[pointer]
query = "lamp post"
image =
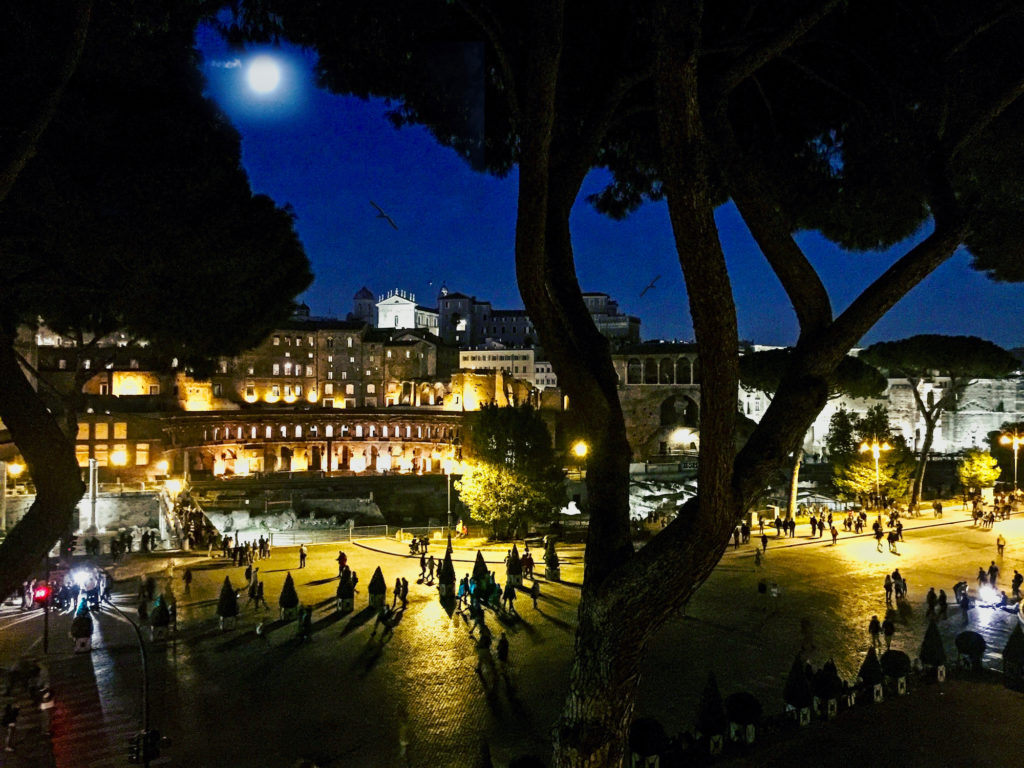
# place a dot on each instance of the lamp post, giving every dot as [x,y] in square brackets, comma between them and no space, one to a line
[876,449]
[448,465]
[1015,440]
[580,450]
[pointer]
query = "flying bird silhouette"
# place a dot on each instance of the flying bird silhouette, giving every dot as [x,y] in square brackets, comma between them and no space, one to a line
[645,290]
[382,215]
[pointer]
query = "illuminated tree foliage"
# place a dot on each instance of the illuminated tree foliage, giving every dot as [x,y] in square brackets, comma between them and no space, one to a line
[853,468]
[977,469]
[123,207]
[869,122]
[514,474]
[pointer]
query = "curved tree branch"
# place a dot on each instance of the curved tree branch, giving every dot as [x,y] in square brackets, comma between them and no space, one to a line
[750,190]
[767,50]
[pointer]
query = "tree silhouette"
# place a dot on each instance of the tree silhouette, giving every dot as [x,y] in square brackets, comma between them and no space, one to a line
[863,121]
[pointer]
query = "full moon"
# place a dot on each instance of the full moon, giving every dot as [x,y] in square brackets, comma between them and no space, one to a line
[263,74]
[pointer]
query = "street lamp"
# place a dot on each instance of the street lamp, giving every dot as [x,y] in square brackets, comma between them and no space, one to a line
[12,470]
[1016,441]
[580,450]
[876,449]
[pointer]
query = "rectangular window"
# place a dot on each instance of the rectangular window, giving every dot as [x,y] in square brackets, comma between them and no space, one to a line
[101,431]
[141,454]
[359,430]
[309,370]
[275,390]
[350,389]
[373,430]
[371,389]
[407,354]
[384,432]
[310,356]
[330,358]
[83,431]
[389,354]
[154,389]
[328,403]
[309,340]
[277,369]
[328,389]
[104,389]
[252,370]
[287,390]
[100,454]
[120,430]
[269,432]
[250,391]
[87,364]
[330,375]
[287,369]
[62,365]
[298,341]
[82,455]
[352,359]
[350,342]
[218,390]
[298,390]
[277,341]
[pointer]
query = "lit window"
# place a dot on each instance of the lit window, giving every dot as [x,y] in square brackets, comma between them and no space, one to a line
[330,374]
[298,390]
[309,370]
[383,430]
[298,341]
[373,430]
[250,391]
[82,455]
[310,355]
[100,454]
[284,431]
[62,365]
[277,341]
[344,375]
[218,390]
[141,454]
[389,354]
[101,431]
[359,430]
[87,364]
[298,430]
[309,340]
[252,370]
[350,342]
[371,389]
[352,359]
[120,430]
[277,369]
[407,354]
[287,369]
[275,390]
[83,431]
[223,366]
[328,389]
[350,389]
[287,390]
[269,432]
[330,358]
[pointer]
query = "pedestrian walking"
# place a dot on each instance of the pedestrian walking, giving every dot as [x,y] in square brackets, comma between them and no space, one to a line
[932,600]
[888,589]
[965,605]
[187,578]
[835,535]
[879,534]
[423,565]
[342,562]
[1018,579]
[764,543]
[993,573]
[875,630]
[1000,544]
[9,721]
[535,593]
[736,538]
[814,526]
[943,604]
[405,592]
[302,555]
[253,591]
[508,598]
[430,569]
[398,592]
[260,598]
[982,578]
[888,630]
[899,530]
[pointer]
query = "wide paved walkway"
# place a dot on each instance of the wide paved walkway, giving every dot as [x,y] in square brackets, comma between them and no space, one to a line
[414,698]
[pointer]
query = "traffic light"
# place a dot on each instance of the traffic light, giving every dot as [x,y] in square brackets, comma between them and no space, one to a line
[41,594]
[70,545]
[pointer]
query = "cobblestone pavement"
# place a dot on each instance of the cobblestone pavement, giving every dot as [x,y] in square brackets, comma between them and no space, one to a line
[353,697]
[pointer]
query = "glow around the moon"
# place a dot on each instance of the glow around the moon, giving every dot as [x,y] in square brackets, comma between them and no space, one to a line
[263,74]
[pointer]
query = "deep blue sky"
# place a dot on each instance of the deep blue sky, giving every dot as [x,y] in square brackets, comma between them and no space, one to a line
[328,156]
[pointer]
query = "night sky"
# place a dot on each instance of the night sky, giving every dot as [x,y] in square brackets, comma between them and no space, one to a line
[329,156]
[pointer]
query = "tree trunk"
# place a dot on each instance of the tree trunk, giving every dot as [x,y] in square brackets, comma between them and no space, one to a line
[51,461]
[922,461]
[794,481]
